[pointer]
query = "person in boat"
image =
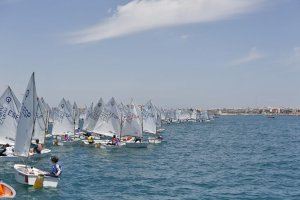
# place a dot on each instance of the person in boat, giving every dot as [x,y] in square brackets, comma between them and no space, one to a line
[87,134]
[37,147]
[66,137]
[114,140]
[3,150]
[56,169]
[137,139]
[90,140]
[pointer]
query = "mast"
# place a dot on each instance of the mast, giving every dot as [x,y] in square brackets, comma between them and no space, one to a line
[121,126]
[142,121]
[34,117]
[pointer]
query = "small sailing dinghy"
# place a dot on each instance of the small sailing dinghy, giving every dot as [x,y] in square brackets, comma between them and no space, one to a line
[40,129]
[64,126]
[6,191]
[109,123]
[9,116]
[25,174]
[132,127]
[151,122]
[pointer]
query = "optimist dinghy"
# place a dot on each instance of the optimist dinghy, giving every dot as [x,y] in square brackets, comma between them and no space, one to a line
[132,127]
[151,122]
[25,130]
[28,175]
[6,191]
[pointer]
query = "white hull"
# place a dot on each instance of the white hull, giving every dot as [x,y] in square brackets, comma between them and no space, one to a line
[154,140]
[8,191]
[44,153]
[27,176]
[95,142]
[160,130]
[121,144]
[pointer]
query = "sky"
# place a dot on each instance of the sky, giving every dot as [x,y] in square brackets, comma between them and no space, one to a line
[178,53]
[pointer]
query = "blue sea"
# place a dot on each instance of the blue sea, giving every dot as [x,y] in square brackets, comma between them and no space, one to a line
[232,157]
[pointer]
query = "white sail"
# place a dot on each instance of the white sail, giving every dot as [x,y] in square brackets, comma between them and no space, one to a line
[158,117]
[40,123]
[204,115]
[193,114]
[132,124]
[88,116]
[76,114]
[149,118]
[109,120]
[63,120]
[25,126]
[9,115]
[95,115]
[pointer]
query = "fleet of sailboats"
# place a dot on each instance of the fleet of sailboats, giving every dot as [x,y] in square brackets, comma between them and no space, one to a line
[114,124]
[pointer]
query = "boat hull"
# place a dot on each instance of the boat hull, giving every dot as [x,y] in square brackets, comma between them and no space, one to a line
[154,140]
[44,153]
[6,191]
[27,175]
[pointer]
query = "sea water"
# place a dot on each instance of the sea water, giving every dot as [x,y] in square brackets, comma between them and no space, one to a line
[232,157]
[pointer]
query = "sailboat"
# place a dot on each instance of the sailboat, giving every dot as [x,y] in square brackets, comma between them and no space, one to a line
[94,119]
[40,128]
[132,127]
[109,123]
[149,117]
[88,114]
[95,115]
[193,115]
[159,128]
[6,191]
[76,115]
[63,125]
[9,115]
[23,173]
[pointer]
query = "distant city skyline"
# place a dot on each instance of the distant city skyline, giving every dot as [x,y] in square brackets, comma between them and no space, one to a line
[179,53]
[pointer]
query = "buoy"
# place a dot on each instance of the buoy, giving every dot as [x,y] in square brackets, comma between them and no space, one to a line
[38,184]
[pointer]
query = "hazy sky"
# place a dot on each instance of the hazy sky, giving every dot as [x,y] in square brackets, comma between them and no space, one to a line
[179,53]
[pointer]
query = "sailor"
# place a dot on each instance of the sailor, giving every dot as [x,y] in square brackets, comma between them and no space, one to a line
[138,139]
[56,169]
[37,147]
[114,141]
[3,150]
[90,140]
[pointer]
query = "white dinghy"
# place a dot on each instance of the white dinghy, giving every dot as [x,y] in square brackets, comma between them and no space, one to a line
[109,123]
[88,115]
[132,127]
[150,122]
[63,125]
[9,116]
[28,175]
[25,174]
[40,129]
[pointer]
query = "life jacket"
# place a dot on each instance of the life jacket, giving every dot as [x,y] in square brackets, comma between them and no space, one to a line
[90,139]
[56,168]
